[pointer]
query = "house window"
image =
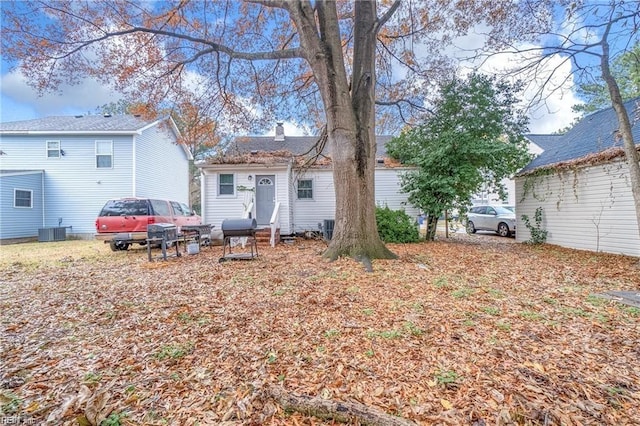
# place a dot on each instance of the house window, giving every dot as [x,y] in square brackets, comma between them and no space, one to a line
[22,198]
[225,184]
[53,149]
[305,189]
[104,154]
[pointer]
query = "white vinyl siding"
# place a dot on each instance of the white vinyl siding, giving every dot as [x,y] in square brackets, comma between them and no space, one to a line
[216,208]
[21,222]
[309,215]
[22,198]
[161,166]
[53,149]
[104,154]
[590,208]
[296,215]
[389,192]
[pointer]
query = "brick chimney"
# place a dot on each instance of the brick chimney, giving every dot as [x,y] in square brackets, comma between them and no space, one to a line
[279,132]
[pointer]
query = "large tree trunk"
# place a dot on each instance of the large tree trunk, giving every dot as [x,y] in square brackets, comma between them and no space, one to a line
[350,122]
[633,159]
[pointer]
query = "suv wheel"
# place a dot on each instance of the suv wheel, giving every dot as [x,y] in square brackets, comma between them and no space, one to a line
[503,229]
[118,245]
[471,229]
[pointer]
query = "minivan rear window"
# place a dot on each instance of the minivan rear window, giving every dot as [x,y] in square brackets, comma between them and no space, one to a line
[126,208]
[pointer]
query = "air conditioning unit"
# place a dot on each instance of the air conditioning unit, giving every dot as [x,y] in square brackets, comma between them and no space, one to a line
[327,229]
[52,234]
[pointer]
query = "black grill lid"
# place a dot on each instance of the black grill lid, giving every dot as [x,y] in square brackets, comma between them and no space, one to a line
[239,227]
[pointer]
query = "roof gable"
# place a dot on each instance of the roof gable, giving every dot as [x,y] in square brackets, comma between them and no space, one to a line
[594,134]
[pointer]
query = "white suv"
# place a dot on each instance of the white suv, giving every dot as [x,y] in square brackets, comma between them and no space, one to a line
[491,218]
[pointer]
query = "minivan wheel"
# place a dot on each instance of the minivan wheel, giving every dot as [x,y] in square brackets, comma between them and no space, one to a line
[503,229]
[118,245]
[471,229]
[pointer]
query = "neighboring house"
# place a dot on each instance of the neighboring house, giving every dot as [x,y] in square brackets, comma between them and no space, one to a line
[59,171]
[537,144]
[266,177]
[581,181]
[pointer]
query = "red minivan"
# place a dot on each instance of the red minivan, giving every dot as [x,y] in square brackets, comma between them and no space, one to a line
[124,221]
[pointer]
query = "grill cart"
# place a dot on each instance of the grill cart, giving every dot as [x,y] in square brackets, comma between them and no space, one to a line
[239,228]
[165,234]
[195,236]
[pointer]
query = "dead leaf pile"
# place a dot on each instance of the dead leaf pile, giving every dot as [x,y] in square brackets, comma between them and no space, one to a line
[465,331]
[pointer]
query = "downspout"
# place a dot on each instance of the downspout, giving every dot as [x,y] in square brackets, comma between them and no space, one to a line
[290,196]
[133,167]
[43,209]
[203,199]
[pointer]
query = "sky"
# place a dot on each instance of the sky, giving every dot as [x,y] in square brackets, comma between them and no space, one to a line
[18,101]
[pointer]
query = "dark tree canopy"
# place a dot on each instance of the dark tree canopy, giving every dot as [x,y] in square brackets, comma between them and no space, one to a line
[474,138]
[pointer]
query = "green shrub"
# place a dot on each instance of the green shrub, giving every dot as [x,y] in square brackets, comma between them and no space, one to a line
[396,226]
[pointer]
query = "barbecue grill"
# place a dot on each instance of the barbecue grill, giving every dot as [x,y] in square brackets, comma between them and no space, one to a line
[165,234]
[239,228]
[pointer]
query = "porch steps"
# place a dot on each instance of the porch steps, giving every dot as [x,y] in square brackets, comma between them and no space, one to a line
[263,236]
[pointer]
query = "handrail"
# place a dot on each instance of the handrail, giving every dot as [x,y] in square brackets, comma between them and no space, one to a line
[247,211]
[275,219]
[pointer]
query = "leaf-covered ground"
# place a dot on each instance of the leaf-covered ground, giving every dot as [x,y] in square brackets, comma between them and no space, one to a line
[473,330]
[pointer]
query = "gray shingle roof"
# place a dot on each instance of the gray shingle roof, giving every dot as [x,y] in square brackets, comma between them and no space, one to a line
[595,133]
[71,124]
[297,145]
[545,141]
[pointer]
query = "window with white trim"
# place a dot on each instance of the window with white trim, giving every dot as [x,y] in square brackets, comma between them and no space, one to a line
[305,189]
[104,154]
[226,184]
[22,198]
[53,149]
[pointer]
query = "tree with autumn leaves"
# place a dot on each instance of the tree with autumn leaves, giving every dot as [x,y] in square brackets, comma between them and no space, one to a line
[341,64]
[337,58]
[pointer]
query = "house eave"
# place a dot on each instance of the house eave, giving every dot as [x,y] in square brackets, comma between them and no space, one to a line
[70,132]
[602,157]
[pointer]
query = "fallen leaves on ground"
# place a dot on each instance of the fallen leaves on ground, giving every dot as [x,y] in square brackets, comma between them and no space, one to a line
[474,330]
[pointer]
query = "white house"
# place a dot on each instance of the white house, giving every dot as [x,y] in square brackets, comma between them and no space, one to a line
[267,178]
[581,182]
[59,171]
[536,145]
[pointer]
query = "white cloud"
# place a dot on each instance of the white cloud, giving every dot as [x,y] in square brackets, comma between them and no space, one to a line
[81,98]
[549,87]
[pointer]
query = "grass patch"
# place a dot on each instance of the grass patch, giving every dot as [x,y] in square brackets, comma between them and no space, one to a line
[503,325]
[331,333]
[175,351]
[412,329]
[441,282]
[462,293]
[632,311]
[491,310]
[447,377]
[530,315]
[385,334]
[498,294]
